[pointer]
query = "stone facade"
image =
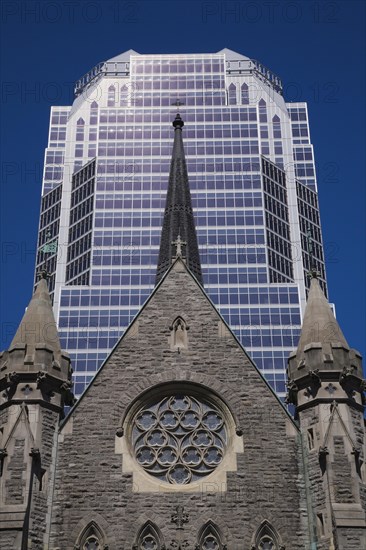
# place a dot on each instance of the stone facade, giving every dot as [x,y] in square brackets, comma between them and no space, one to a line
[213,362]
[80,485]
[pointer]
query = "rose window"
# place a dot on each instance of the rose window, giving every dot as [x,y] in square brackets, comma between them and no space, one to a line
[179,439]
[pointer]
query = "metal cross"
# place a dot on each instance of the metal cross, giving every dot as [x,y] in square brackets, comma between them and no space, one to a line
[313,273]
[178,243]
[178,103]
[309,239]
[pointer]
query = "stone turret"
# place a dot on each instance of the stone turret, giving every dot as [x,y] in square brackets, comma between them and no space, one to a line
[34,368]
[326,385]
[324,367]
[35,383]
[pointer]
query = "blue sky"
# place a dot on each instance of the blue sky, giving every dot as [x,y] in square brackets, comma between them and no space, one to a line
[316,47]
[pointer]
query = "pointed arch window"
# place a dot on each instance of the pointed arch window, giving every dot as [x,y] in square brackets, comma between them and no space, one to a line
[93,113]
[262,106]
[232,94]
[124,95]
[179,338]
[149,538]
[111,96]
[80,129]
[244,94]
[276,127]
[267,538]
[210,538]
[91,538]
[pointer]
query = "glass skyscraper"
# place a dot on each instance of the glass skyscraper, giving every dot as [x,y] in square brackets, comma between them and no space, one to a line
[253,186]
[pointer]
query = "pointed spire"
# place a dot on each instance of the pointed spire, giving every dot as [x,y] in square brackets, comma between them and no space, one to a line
[34,367]
[319,323]
[38,324]
[178,236]
[322,355]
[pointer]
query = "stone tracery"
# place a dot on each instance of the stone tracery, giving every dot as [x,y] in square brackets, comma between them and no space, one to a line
[179,438]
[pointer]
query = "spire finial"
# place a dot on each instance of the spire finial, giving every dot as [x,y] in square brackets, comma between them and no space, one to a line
[178,122]
[43,273]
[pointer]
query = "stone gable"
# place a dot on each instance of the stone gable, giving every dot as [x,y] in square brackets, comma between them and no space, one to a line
[99,480]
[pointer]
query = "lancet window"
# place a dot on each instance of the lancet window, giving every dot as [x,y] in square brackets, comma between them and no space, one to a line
[232,94]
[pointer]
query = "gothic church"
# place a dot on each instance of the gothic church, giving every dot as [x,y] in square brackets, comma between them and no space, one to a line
[179,442]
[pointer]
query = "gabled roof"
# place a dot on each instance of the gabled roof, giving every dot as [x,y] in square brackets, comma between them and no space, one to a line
[178,265]
[233,56]
[124,56]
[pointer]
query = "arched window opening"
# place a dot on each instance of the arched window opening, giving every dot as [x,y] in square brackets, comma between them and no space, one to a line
[93,113]
[80,129]
[232,94]
[149,538]
[179,337]
[244,94]
[267,538]
[276,127]
[262,106]
[111,96]
[124,95]
[210,538]
[91,538]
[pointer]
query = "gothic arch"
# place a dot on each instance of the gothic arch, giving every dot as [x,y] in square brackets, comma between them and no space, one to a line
[267,538]
[93,116]
[232,94]
[276,127]
[91,538]
[149,537]
[91,525]
[244,94]
[179,337]
[262,107]
[111,95]
[209,537]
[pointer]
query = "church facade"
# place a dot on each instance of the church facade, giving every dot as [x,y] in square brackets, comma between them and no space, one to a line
[179,442]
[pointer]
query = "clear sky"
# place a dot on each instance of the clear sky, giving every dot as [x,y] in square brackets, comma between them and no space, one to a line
[316,47]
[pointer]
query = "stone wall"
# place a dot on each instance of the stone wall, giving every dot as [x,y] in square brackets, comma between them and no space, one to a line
[93,482]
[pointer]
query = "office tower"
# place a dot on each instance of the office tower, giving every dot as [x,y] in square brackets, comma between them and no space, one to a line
[169,450]
[253,186]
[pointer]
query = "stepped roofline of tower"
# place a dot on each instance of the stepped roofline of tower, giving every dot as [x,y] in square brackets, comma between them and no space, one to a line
[177,264]
[236,63]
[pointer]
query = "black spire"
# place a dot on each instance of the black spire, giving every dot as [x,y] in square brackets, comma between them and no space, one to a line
[178,235]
